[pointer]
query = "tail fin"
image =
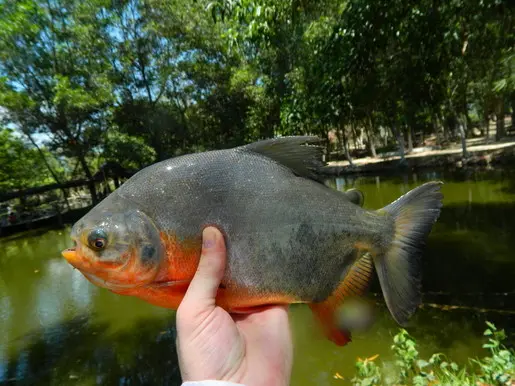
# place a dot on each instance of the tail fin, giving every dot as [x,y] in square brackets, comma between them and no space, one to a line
[399,268]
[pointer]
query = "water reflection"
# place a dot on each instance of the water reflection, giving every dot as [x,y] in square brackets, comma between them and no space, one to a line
[58,329]
[79,351]
[81,291]
[469,256]
[88,352]
[5,315]
[49,306]
[5,303]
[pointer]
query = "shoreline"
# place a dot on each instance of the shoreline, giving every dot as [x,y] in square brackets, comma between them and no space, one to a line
[483,155]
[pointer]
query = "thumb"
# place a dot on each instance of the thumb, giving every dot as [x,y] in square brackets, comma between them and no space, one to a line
[203,288]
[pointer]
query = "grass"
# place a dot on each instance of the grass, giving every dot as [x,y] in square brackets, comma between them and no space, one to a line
[497,368]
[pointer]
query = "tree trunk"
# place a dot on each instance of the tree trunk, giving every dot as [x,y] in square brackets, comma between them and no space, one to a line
[54,175]
[436,128]
[446,129]
[400,141]
[327,155]
[343,141]
[462,127]
[410,140]
[499,121]
[354,135]
[386,137]
[339,140]
[486,127]
[370,137]
[91,183]
[468,122]
[346,149]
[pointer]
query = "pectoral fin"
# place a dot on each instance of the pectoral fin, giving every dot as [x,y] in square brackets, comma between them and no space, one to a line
[355,196]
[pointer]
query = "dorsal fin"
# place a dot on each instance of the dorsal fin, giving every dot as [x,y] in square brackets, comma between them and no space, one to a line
[355,196]
[301,154]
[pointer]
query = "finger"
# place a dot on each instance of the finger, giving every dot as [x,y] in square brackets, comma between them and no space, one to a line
[203,288]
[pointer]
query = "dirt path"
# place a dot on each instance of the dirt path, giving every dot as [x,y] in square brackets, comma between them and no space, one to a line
[473,145]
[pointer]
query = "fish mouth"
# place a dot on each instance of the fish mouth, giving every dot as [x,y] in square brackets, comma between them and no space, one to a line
[70,255]
[74,259]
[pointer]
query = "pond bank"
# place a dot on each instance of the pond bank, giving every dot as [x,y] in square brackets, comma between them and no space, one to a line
[53,221]
[480,155]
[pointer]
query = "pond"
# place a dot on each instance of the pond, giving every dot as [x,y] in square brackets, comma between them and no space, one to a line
[58,329]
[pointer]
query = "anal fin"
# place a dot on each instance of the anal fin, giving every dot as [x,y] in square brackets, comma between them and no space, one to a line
[355,284]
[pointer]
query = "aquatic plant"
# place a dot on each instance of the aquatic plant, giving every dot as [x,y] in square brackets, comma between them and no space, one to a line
[498,368]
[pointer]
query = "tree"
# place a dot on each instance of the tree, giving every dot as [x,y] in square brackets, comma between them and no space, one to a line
[142,80]
[56,79]
[129,152]
[20,164]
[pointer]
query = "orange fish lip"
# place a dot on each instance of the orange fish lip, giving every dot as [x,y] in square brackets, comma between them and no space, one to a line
[74,259]
[70,255]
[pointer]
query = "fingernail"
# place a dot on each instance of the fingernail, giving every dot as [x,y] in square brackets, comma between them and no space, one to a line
[208,238]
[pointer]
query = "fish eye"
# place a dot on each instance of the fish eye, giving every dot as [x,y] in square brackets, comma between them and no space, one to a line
[97,239]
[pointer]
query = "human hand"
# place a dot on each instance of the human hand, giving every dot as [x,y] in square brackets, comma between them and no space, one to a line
[250,349]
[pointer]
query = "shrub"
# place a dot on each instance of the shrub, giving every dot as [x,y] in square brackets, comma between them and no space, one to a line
[496,369]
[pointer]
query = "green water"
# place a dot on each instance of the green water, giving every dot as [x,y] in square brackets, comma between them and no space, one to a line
[58,329]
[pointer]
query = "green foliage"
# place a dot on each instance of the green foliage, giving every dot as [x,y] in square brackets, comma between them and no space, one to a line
[20,164]
[500,367]
[186,76]
[407,354]
[496,369]
[367,373]
[55,75]
[130,152]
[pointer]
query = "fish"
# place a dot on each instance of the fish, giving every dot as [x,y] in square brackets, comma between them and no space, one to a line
[290,238]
